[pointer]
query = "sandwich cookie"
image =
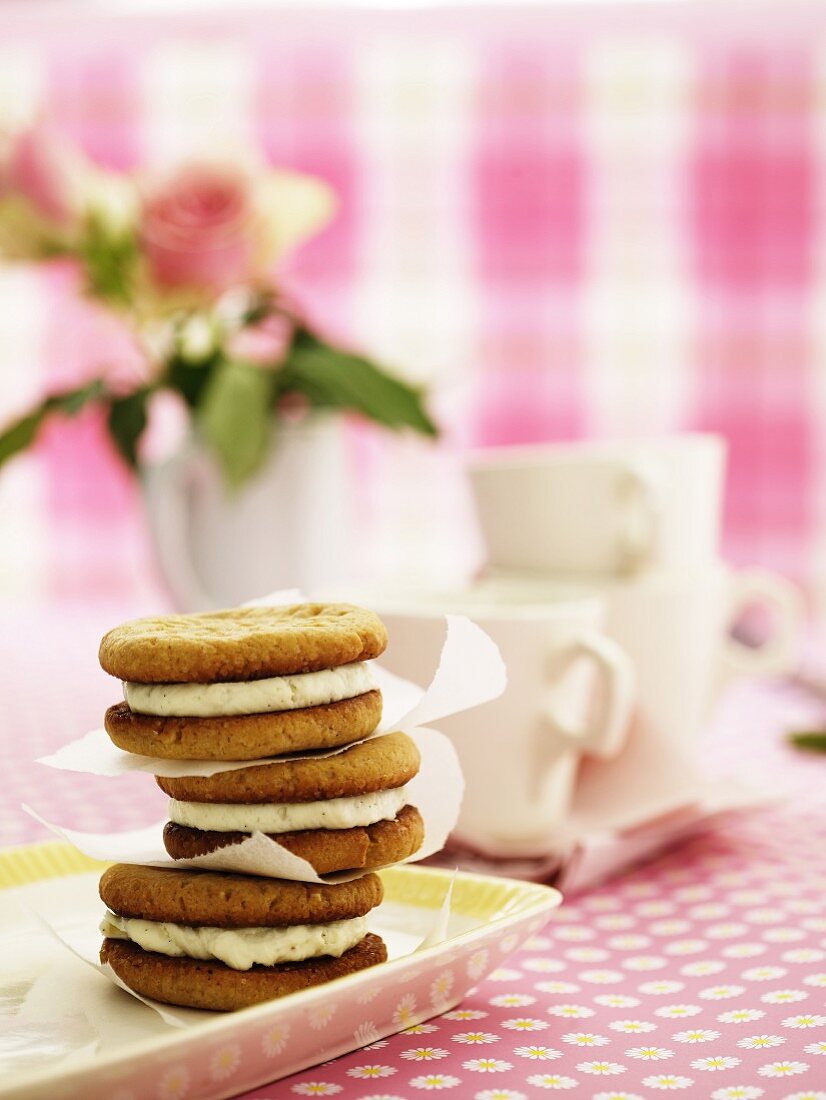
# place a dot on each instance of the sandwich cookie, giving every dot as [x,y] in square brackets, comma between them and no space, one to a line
[246,683]
[222,941]
[349,811]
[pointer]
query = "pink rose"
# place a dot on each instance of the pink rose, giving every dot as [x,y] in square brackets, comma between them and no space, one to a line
[198,229]
[45,170]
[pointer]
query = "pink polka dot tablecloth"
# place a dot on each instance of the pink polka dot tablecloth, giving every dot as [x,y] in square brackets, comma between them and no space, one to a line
[701,974]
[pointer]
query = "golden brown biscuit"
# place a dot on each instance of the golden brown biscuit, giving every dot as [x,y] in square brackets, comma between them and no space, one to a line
[380,764]
[245,736]
[361,849]
[213,985]
[232,901]
[245,643]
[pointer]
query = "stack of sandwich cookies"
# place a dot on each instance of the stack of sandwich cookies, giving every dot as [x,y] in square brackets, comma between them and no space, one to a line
[248,685]
[222,941]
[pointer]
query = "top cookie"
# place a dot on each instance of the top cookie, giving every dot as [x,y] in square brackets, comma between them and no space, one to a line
[246,643]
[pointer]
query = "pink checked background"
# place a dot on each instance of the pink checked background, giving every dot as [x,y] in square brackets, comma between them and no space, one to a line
[569,223]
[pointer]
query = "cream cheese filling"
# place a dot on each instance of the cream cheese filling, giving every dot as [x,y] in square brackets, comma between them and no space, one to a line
[239,948]
[289,817]
[305,689]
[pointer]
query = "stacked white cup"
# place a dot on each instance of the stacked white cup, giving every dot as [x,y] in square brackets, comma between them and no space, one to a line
[605,590]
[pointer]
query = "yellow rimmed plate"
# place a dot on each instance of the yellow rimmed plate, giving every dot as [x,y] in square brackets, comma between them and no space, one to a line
[65,1030]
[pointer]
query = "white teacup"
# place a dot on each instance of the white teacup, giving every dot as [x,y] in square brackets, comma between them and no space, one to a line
[675,625]
[596,509]
[570,691]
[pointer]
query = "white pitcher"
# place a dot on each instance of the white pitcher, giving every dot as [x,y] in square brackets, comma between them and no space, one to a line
[287,527]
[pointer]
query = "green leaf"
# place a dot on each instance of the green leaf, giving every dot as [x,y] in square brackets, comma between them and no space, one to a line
[332,378]
[811,740]
[235,418]
[109,261]
[127,420]
[22,432]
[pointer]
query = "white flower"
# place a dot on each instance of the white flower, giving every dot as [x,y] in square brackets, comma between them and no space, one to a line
[528,1023]
[541,965]
[644,962]
[585,1039]
[661,987]
[737,1092]
[512,1000]
[424,1054]
[616,1000]
[477,963]
[420,1029]
[804,1021]
[552,1081]
[569,1012]
[224,1062]
[650,1054]
[726,931]
[405,1011]
[601,977]
[321,1015]
[465,1014]
[815,979]
[602,1069]
[677,1012]
[763,973]
[440,988]
[816,1048]
[616,1096]
[434,1081]
[671,927]
[615,922]
[366,1033]
[715,1062]
[557,987]
[315,1088]
[702,968]
[697,1035]
[538,1054]
[505,974]
[487,1065]
[783,935]
[721,992]
[784,997]
[667,1081]
[275,1039]
[760,1042]
[685,947]
[809,1094]
[499,1094]
[574,932]
[174,1083]
[632,1027]
[744,950]
[629,942]
[369,1073]
[741,1015]
[803,955]
[783,1069]
[475,1038]
[586,954]
[509,943]
[538,943]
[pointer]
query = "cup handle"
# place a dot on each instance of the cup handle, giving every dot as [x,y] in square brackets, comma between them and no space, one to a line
[641,514]
[604,734]
[169,488]
[779,654]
